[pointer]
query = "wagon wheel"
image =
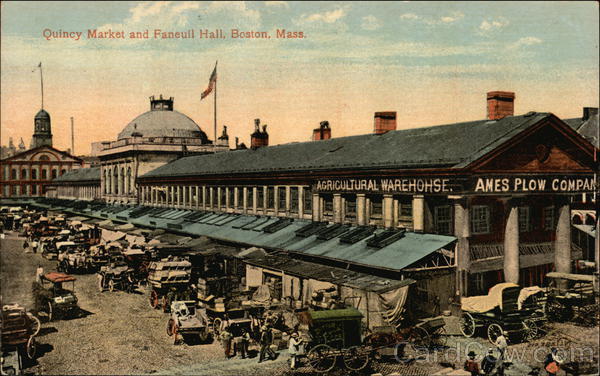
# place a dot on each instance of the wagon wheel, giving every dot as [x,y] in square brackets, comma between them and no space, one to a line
[531,329]
[356,358]
[50,311]
[321,358]
[467,324]
[419,338]
[100,283]
[439,338]
[217,326]
[203,336]
[493,332]
[31,348]
[165,304]
[170,327]
[154,299]
[36,325]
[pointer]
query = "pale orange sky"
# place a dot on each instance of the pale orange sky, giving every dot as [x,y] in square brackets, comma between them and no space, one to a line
[357,59]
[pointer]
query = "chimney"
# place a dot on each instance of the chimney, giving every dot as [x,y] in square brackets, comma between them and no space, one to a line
[259,138]
[589,112]
[385,122]
[500,104]
[323,132]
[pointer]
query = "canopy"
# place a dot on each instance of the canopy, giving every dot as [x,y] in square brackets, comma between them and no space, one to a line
[485,303]
[59,277]
[571,277]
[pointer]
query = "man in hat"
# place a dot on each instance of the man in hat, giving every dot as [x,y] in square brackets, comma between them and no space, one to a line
[266,338]
[489,362]
[501,344]
[471,364]
[226,338]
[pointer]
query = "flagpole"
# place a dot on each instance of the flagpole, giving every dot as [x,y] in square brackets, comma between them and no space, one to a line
[215,111]
[42,85]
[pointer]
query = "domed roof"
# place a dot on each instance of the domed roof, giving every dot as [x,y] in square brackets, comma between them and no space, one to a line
[162,124]
[42,114]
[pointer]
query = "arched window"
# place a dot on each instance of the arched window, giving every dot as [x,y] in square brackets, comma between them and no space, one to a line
[44,158]
[122,186]
[115,179]
[44,174]
[13,174]
[23,173]
[62,172]
[34,174]
[34,189]
[54,173]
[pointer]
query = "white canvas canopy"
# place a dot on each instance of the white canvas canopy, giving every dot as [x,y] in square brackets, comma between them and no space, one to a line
[485,303]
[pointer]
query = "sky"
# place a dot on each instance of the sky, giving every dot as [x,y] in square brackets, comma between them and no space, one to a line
[432,62]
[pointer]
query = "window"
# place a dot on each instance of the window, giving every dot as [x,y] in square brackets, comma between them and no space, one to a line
[270,197]
[375,210]
[23,174]
[62,172]
[480,219]
[443,219]
[222,197]
[405,206]
[34,174]
[350,207]
[240,201]
[549,218]
[294,199]
[44,174]
[250,198]
[54,173]
[231,195]
[327,200]
[260,195]
[281,198]
[524,219]
[307,200]
[13,174]
[14,190]
[34,189]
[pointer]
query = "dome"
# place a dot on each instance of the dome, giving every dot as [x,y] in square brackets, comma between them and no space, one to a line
[42,114]
[163,124]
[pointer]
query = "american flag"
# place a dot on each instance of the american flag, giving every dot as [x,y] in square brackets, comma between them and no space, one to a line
[211,84]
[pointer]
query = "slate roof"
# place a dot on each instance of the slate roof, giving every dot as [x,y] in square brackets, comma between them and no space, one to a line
[588,128]
[451,146]
[79,175]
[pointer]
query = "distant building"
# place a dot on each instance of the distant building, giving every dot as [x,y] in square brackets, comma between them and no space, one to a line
[152,139]
[27,173]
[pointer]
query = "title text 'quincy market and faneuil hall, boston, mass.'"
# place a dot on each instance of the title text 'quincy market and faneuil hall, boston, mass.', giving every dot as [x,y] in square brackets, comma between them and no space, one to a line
[456,208]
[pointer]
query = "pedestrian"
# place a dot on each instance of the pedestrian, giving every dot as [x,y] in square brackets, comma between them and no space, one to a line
[552,362]
[39,273]
[501,344]
[489,362]
[266,338]
[226,337]
[25,246]
[242,343]
[471,364]
[34,245]
[295,348]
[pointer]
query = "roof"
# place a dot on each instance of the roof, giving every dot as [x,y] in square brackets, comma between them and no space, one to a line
[59,277]
[162,124]
[437,146]
[42,114]
[586,126]
[335,314]
[326,273]
[248,230]
[80,175]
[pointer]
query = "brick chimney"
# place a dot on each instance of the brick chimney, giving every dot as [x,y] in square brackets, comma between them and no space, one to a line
[259,138]
[500,104]
[323,132]
[385,122]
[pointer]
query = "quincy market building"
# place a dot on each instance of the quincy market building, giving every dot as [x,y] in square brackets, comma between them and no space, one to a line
[456,207]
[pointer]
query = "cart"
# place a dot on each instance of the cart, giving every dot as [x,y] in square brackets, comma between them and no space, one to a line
[499,312]
[335,335]
[19,329]
[188,321]
[116,275]
[52,299]
[169,280]
[572,297]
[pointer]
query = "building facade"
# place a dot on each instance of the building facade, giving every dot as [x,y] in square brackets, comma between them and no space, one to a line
[502,186]
[152,139]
